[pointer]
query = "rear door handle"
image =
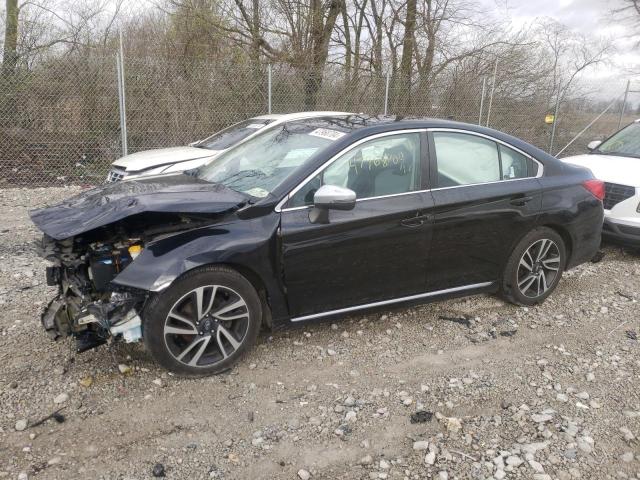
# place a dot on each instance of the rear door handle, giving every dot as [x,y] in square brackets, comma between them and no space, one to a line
[417,221]
[520,201]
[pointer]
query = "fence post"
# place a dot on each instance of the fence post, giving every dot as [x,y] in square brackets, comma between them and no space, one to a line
[484,88]
[555,121]
[269,86]
[493,89]
[386,94]
[587,127]
[624,103]
[121,97]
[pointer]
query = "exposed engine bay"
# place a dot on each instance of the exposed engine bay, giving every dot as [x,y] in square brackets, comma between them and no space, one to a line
[88,305]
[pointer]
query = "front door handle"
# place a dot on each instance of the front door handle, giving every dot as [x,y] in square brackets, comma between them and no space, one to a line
[417,221]
[520,201]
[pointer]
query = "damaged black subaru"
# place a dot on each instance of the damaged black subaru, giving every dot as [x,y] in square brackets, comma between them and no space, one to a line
[312,219]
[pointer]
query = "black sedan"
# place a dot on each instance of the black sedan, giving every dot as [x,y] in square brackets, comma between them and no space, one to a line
[317,218]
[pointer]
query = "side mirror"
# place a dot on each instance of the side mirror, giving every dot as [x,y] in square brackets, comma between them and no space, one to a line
[330,197]
[593,145]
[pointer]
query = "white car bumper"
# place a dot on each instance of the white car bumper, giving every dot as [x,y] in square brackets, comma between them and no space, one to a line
[118,173]
[621,216]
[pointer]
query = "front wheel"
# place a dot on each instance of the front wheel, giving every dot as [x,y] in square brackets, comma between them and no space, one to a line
[203,323]
[534,268]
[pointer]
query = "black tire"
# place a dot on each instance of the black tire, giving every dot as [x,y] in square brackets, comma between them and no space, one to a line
[213,289]
[516,275]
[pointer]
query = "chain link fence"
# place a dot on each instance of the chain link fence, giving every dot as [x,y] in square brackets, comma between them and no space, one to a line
[60,121]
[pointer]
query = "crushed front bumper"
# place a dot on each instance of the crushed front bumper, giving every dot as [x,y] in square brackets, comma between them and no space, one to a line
[622,214]
[92,323]
[55,318]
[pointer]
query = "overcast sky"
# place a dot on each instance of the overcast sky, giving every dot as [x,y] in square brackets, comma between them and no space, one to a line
[592,17]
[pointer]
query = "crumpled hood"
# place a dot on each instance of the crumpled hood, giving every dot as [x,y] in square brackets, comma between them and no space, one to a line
[138,161]
[114,201]
[609,168]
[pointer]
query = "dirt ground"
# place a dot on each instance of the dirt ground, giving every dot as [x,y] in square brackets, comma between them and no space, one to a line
[542,393]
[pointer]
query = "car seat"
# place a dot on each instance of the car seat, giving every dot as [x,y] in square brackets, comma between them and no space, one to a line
[398,176]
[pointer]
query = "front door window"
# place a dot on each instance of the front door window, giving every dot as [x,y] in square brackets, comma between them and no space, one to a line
[382,166]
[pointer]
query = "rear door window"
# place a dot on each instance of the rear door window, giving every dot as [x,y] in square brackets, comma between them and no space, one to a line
[465,159]
[514,164]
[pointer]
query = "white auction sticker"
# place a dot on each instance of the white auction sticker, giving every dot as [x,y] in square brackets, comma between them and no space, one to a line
[255,125]
[326,133]
[257,192]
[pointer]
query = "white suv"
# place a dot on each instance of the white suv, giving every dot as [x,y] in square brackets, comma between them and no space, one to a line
[179,159]
[616,161]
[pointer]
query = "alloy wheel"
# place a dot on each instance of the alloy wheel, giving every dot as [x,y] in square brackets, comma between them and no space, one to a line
[538,268]
[206,325]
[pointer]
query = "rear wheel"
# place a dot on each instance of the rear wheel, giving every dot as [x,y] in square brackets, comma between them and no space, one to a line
[534,267]
[204,323]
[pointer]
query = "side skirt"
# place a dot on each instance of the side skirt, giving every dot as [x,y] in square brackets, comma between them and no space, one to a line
[412,298]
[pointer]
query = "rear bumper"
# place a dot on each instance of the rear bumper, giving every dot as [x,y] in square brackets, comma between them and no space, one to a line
[586,234]
[621,233]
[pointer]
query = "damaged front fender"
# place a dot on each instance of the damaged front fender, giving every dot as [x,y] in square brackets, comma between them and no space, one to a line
[246,245]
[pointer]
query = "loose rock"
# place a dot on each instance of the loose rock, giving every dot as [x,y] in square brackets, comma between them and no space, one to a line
[303,474]
[158,470]
[21,425]
[63,397]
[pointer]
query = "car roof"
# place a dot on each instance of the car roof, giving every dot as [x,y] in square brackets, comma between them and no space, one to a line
[357,126]
[352,123]
[349,123]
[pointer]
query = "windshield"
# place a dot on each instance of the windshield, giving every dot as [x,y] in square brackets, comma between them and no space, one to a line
[257,166]
[625,143]
[233,134]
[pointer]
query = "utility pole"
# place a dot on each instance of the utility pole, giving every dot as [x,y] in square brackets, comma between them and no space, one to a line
[121,96]
[484,88]
[493,88]
[624,104]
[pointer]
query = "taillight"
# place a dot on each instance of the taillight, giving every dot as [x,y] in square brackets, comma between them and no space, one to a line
[596,187]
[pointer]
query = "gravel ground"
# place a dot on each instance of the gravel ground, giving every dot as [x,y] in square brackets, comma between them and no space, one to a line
[505,392]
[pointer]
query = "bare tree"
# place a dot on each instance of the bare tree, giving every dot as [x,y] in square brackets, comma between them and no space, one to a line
[10,52]
[629,13]
[36,26]
[350,36]
[297,32]
[376,32]
[569,55]
[408,51]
